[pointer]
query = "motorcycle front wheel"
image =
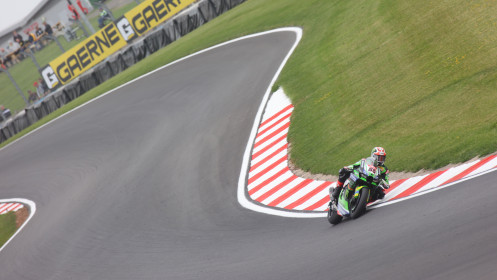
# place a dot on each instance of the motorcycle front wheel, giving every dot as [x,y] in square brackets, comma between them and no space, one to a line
[333,216]
[360,207]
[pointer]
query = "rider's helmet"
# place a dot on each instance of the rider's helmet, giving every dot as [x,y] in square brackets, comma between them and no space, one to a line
[379,155]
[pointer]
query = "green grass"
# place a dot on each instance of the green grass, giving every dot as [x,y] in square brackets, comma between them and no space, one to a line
[417,78]
[7,226]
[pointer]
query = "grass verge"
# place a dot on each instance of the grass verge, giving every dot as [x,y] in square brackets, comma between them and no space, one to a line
[7,226]
[416,78]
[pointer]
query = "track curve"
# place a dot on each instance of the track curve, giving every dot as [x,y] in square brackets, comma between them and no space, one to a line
[142,184]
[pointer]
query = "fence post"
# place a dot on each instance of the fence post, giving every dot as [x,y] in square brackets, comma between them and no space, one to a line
[30,54]
[83,16]
[83,28]
[15,84]
[56,41]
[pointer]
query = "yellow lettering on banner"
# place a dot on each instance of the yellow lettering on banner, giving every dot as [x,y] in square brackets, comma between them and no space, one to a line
[110,39]
[88,53]
[151,13]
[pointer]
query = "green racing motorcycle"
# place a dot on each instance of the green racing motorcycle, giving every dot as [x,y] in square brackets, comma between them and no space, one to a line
[362,187]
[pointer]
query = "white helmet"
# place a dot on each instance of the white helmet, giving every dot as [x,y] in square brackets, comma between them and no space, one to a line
[379,155]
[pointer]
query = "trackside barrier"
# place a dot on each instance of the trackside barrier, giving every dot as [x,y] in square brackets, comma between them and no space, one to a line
[168,32]
[111,38]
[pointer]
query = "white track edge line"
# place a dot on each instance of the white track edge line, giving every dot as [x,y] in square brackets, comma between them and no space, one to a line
[32,211]
[242,199]
[241,183]
[381,204]
[245,202]
[165,66]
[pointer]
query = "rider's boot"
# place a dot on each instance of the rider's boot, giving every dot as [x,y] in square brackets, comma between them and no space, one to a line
[343,174]
[335,192]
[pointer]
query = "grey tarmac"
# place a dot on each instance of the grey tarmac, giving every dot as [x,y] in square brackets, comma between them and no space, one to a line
[141,184]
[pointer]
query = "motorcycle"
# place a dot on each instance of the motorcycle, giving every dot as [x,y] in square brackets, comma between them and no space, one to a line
[362,187]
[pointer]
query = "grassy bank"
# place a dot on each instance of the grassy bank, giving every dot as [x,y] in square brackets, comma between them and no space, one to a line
[7,226]
[416,78]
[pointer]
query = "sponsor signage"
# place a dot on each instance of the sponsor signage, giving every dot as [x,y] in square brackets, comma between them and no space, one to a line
[83,56]
[151,13]
[110,39]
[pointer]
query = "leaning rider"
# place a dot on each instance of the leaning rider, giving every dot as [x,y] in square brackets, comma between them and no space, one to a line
[378,156]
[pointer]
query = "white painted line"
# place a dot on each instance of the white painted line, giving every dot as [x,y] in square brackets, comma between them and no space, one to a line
[282,99]
[323,208]
[32,211]
[241,194]
[274,109]
[431,190]
[297,30]
[278,102]
[447,175]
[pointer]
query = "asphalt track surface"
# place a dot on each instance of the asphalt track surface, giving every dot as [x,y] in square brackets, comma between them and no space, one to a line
[141,184]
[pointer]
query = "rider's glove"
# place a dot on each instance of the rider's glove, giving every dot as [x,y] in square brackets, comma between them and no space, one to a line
[385,185]
[381,194]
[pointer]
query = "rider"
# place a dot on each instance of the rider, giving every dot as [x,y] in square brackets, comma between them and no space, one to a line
[378,156]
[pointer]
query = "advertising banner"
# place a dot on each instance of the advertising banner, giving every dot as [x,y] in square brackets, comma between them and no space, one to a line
[110,39]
